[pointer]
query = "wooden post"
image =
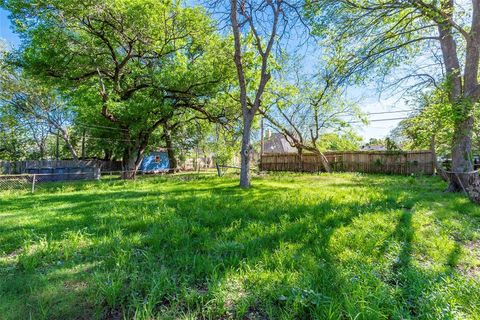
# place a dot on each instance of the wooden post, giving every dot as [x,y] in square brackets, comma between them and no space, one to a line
[96,173]
[83,145]
[33,184]
[58,146]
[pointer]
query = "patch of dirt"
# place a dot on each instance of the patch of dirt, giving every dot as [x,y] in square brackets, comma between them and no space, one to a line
[255,314]
[75,285]
[12,255]
[236,292]
[114,314]
[473,248]
[202,289]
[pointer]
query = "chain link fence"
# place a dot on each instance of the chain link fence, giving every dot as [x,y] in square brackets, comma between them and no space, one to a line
[34,182]
[16,182]
[53,182]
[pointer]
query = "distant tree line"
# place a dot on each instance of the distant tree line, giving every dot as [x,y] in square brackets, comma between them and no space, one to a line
[133,75]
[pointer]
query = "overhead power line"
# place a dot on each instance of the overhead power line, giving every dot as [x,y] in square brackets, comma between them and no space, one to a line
[125,140]
[98,126]
[379,120]
[105,128]
[371,120]
[395,111]
[107,139]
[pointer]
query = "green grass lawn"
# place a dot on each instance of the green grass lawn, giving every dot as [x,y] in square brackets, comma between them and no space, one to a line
[341,246]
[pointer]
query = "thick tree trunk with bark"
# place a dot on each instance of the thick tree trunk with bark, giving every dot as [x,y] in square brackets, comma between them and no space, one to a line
[107,154]
[300,159]
[251,106]
[42,151]
[464,93]
[172,159]
[248,112]
[245,152]
[438,167]
[170,149]
[132,158]
[461,154]
[459,91]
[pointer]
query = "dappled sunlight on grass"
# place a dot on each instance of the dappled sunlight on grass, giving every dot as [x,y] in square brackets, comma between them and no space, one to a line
[324,246]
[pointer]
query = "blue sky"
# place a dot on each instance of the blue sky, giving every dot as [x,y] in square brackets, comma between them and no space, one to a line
[5,29]
[370,100]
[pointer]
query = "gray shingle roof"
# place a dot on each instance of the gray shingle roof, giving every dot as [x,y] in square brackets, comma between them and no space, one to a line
[277,144]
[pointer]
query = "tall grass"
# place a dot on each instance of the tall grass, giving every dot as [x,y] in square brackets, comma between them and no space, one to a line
[342,246]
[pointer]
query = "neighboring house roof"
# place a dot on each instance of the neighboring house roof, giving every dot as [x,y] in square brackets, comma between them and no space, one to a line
[277,144]
[373,148]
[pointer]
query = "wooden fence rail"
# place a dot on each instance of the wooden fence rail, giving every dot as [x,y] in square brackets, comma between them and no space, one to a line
[388,162]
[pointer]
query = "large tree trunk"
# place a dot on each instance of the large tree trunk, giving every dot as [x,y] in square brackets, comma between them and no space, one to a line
[245,153]
[170,150]
[248,113]
[463,93]
[249,109]
[300,159]
[42,151]
[474,189]
[132,158]
[107,154]
[438,167]
[462,138]
[172,159]
[452,68]
[461,155]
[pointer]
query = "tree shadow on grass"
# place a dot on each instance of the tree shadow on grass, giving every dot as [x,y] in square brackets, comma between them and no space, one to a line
[195,242]
[417,284]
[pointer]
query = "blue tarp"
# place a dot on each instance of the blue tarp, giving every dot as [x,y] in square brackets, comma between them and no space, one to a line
[156,161]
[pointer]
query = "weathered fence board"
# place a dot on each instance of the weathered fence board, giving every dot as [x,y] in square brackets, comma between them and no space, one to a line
[389,162]
[20,167]
[65,174]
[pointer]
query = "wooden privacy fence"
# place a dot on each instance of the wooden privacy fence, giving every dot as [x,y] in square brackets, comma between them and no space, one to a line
[21,167]
[389,162]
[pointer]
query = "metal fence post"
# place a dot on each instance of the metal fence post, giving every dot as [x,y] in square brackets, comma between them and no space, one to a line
[33,184]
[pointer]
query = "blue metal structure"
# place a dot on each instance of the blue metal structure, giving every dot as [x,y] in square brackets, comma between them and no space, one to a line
[155,161]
